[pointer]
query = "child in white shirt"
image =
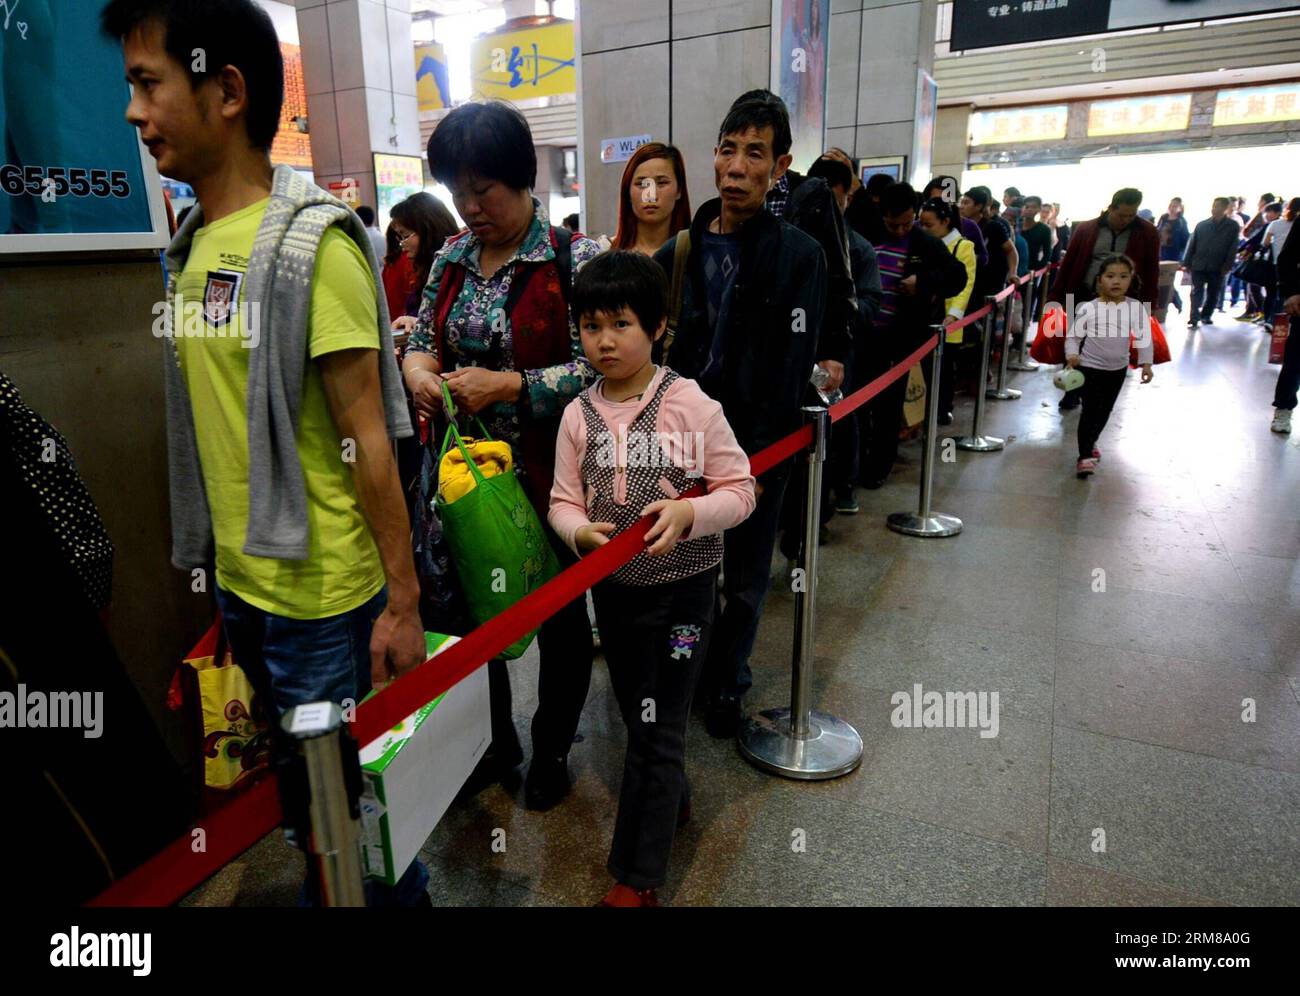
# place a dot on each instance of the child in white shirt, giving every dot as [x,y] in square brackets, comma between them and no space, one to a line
[1097,341]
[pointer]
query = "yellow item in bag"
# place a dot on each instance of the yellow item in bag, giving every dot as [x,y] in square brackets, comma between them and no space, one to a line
[454,477]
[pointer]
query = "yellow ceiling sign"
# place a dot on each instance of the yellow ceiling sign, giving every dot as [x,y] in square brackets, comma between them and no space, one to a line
[1021,124]
[1139,115]
[533,62]
[1257,105]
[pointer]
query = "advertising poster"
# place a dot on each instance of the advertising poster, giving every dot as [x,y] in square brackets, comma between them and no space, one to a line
[432,82]
[800,44]
[532,62]
[396,178]
[73,174]
[927,109]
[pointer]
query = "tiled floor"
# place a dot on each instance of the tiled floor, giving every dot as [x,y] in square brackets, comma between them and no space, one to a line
[1148,750]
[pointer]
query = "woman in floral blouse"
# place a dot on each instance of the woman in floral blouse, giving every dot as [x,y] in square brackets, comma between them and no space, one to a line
[495,323]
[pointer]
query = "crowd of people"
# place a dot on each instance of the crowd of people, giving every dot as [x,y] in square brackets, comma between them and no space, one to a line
[714,325]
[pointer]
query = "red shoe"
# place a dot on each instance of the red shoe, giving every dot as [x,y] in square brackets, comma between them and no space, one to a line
[1085,468]
[1096,453]
[625,895]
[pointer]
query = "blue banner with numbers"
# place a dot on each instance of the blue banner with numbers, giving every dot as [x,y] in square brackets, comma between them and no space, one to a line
[70,163]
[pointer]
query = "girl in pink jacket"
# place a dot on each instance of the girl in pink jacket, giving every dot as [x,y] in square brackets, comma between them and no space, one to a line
[629,446]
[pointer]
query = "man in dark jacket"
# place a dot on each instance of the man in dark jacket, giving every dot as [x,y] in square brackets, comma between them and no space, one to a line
[807,203]
[752,304]
[842,458]
[1118,229]
[917,273]
[1209,256]
[1288,293]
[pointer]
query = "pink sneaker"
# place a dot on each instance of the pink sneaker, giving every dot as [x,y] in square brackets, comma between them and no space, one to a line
[1085,468]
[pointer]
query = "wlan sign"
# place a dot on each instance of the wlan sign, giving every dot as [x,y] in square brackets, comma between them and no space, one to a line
[619,150]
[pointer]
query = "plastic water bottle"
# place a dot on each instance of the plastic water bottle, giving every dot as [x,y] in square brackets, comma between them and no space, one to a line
[819,379]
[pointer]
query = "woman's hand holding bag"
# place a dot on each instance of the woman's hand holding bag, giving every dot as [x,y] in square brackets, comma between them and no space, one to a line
[497,542]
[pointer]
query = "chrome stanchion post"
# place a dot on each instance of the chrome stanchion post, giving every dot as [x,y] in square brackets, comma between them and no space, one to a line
[800,742]
[976,442]
[1002,392]
[924,522]
[332,781]
[1032,307]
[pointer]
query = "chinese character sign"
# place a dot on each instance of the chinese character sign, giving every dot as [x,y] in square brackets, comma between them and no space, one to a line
[1257,105]
[1137,115]
[396,178]
[1039,124]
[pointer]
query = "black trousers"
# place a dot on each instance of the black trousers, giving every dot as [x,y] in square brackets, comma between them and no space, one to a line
[563,680]
[1288,378]
[654,639]
[947,376]
[746,576]
[1207,287]
[880,419]
[1099,391]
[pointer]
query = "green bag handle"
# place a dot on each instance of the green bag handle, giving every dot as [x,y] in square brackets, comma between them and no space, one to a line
[454,433]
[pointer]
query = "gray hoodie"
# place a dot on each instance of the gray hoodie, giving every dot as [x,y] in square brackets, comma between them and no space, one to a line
[279,272]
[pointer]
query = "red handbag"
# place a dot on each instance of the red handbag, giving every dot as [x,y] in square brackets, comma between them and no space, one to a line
[1049,345]
[1159,346]
[1277,344]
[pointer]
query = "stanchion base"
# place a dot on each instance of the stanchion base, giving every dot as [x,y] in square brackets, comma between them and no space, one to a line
[1028,366]
[1006,394]
[980,444]
[935,524]
[833,747]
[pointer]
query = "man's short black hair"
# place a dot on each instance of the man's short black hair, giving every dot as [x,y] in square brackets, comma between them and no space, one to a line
[618,279]
[896,199]
[235,33]
[980,195]
[1127,195]
[834,172]
[759,109]
[367,215]
[571,222]
[856,165]
[877,183]
[1031,197]
[489,140]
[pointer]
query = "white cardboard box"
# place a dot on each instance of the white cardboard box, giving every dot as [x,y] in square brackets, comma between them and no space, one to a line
[412,773]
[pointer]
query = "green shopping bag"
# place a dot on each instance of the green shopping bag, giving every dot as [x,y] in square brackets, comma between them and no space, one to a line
[497,542]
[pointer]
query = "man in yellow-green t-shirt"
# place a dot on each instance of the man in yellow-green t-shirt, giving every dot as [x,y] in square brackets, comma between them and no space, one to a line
[284,392]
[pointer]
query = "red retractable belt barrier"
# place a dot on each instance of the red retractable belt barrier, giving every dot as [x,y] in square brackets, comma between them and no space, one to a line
[179,868]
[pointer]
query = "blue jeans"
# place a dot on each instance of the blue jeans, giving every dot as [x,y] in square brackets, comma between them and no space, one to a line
[293,661]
